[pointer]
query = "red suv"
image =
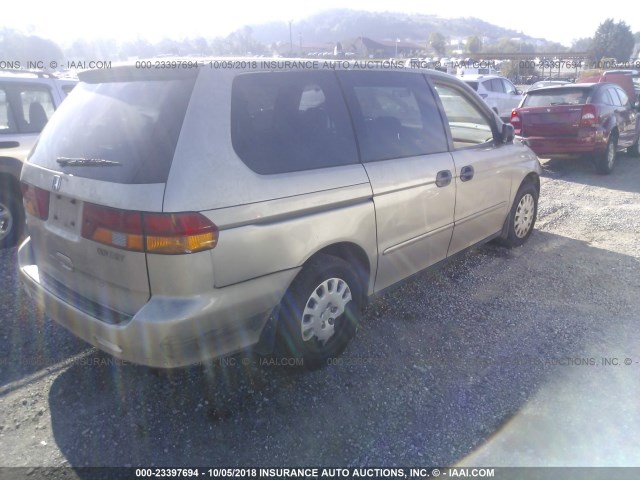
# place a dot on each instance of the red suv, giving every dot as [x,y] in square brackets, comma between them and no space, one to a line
[596,119]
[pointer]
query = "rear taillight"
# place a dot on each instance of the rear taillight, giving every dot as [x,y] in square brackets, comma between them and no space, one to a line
[589,116]
[117,228]
[35,200]
[166,233]
[173,233]
[516,122]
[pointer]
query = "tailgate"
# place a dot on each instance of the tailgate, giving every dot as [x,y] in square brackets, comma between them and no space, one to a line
[552,121]
[104,158]
[80,270]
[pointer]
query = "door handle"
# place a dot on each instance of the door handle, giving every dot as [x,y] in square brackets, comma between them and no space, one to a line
[466,173]
[443,178]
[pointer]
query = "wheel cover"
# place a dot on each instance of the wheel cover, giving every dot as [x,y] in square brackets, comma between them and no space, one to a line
[6,221]
[524,215]
[324,307]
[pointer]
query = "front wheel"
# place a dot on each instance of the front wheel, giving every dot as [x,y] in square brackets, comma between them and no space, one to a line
[320,312]
[522,217]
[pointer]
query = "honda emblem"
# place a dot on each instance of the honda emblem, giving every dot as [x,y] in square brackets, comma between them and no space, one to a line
[57,182]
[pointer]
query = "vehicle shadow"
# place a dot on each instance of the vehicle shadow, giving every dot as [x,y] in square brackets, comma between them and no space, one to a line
[625,176]
[31,345]
[439,365]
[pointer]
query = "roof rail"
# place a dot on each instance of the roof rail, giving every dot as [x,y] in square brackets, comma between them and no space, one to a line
[38,73]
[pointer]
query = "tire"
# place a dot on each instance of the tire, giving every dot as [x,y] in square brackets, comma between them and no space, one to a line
[606,161]
[319,314]
[522,217]
[634,150]
[11,218]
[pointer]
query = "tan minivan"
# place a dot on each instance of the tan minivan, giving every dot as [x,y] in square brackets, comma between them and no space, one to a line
[180,215]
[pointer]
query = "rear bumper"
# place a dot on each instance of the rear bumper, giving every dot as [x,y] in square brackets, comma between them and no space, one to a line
[169,331]
[591,141]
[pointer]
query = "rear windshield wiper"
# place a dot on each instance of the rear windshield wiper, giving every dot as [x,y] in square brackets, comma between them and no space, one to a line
[86,162]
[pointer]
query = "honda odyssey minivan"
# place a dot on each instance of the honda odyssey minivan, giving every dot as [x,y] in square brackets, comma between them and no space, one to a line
[181,215]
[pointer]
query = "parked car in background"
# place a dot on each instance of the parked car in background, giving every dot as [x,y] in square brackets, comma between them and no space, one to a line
[498,92]
[180,215]
[471,70]
[594,119]
[635,78]
[624,81]
[547,83]
[27,101]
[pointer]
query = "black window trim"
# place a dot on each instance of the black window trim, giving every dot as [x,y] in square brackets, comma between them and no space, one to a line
[340,91]
[12,91]
[441,116]
[483,108]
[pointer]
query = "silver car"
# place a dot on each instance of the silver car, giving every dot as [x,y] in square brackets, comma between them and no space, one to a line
[180,215]
[27,100]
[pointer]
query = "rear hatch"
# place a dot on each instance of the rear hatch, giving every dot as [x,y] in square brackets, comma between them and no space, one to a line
[552,112]
[101,161]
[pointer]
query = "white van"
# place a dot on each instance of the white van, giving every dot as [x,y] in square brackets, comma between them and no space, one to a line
[462,71]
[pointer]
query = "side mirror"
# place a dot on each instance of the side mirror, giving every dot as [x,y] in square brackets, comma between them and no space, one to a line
[508,133]
[517,92]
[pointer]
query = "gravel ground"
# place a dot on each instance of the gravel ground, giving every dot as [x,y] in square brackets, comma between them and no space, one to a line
[497,358]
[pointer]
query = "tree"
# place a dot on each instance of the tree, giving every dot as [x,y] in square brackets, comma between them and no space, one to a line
[612,40]
[581,45]
[474,44]
[23,48]
[438,43]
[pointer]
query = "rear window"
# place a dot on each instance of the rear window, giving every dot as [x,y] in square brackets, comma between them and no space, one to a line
[133,125]
[473,85]
[555,97]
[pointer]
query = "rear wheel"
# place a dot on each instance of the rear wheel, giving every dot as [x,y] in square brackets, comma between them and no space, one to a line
[11,218]
[522,217]
[320,312]
[605,162]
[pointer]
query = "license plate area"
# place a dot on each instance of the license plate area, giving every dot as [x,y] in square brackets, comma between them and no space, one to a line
[64,214]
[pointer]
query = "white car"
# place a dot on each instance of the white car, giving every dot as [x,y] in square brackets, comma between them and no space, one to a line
[498,92]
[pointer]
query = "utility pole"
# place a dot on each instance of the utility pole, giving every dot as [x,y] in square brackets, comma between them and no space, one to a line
[290,39]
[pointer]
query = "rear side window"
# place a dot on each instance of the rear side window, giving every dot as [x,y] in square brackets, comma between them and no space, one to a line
[554,97]
[614,97]
[395,114]
[496,85]
[37,107]
[25,108]
[624,99]
[290,121]
[134,125]
[603,97]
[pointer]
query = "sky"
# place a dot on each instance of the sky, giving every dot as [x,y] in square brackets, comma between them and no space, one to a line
[560,21]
